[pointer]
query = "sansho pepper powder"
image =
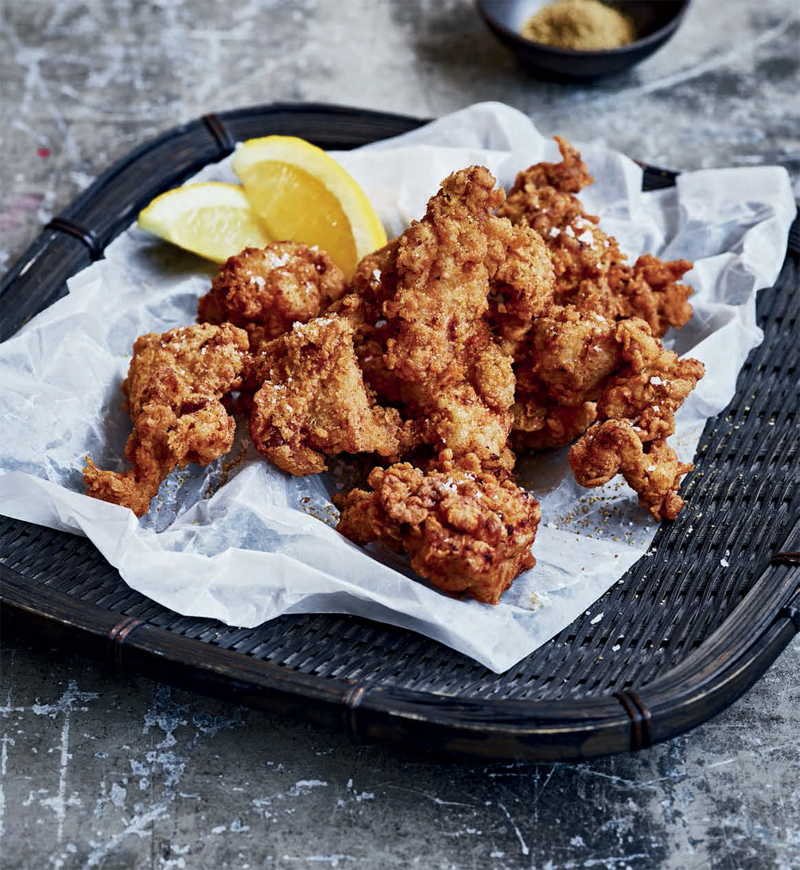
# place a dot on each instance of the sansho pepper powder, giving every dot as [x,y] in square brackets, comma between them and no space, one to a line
[584,25]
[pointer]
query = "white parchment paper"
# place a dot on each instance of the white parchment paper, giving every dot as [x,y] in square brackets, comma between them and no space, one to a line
[262,544]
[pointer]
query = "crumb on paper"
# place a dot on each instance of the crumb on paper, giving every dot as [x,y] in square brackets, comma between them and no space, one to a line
[326,513]
[228,465]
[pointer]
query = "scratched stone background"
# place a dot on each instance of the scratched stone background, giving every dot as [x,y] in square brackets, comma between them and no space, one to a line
[109,772]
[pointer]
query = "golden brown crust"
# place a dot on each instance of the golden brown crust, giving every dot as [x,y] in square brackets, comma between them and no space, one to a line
[590,270]
[651,385]
[521,280]
[542,424]
[266,290]
[463,530]
[174,386]
[313,401]
[453,374]
[637,413]
[651,469]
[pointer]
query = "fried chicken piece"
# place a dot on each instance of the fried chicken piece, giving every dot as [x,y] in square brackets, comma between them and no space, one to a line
[569,175]
[174,386]
[520,288]
[652,469]
[563,366]
[313,401]
[637,413]
[651,386]
[266,290]
[462,529]
[576,368]
[570,355]
[653,293]
[590,270]
[453,374]
[521,281]
[444,305]
[541,423]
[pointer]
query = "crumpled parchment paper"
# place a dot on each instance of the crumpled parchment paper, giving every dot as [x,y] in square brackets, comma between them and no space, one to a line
[262,544]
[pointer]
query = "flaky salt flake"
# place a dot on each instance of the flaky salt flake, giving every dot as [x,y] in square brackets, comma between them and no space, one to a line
[724,563]
[376,274]
[616,648]
[656,381]
[554,231]
[568,231]
[651,469]
[586,237]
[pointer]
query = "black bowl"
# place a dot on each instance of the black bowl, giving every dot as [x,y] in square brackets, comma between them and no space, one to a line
[655,23]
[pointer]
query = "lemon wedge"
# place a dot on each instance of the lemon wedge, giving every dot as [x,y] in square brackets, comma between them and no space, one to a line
[211,219]
[303,195]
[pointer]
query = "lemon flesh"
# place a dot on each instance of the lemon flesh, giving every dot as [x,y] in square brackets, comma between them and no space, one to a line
[295,206]
[211,219]
[303,195]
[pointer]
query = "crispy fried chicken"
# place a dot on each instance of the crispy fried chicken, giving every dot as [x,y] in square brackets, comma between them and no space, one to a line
[463,529]
[312,400]
[174,386]
[651,469]
[266,290]
[590,270]
[433,286]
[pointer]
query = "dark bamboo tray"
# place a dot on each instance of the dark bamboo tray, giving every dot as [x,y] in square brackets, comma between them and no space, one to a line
[681,639]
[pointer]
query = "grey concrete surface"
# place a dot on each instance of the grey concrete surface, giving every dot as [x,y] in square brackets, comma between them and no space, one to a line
[117,773]
[108,772]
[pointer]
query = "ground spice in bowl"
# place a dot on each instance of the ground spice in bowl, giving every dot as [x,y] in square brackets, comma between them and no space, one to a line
[584,25]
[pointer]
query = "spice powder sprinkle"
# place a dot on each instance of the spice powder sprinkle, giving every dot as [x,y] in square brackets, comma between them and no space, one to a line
[583,25]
